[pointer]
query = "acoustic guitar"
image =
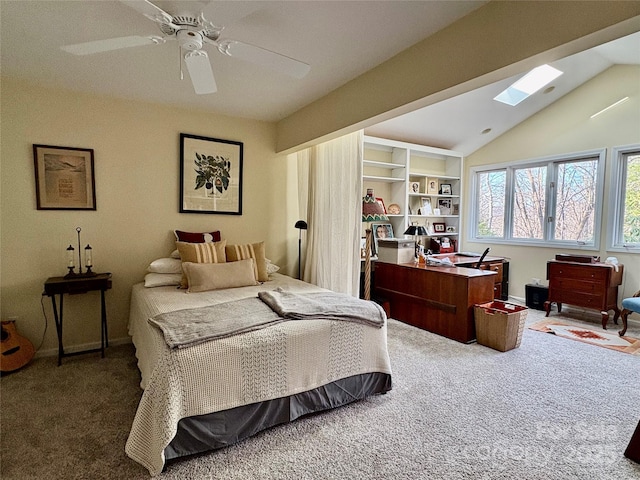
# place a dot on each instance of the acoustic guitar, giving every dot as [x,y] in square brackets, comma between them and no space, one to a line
[15,350]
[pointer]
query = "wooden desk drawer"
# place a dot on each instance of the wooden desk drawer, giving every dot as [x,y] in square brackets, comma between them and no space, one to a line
[494,267]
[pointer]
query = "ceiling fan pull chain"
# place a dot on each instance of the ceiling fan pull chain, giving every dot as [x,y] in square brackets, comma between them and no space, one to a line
[180,60]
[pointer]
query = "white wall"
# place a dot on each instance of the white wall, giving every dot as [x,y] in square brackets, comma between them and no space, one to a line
[566,127]
[137,160]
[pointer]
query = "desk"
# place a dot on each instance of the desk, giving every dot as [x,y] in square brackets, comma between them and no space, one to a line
[72,286]
[500,265]
[437,299]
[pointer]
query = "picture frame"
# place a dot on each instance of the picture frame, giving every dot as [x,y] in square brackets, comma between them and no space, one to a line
[445,189]
[439,227]
[432,186]
[451,229]
[426,208]
[444,204]
[210,175]
[381,203]
[436,212]
[381,230]
[363,248]
[414,187]
[65,178]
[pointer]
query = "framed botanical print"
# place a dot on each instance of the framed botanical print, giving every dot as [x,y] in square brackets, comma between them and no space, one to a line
[65,179]
[210,175]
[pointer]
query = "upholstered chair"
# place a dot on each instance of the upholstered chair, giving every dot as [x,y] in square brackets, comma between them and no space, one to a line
[629,305]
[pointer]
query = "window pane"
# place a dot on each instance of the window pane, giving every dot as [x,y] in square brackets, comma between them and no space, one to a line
[576,201]
[631,224]
[491,197]
[529,202]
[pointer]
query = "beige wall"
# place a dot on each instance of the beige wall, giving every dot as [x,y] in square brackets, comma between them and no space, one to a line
[136,167]
[566,127]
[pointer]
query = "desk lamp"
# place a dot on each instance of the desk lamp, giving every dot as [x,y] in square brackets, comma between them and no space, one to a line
[372,211]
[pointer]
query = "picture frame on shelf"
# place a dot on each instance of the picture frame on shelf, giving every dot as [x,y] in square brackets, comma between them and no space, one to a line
[381,230]
[394,209]
[439,227]
[432,186]
[436,212]
[426,208]
[414,187]
[65,178]
[445,189]
[455,209]
[381,203]
[363,248]
[451,229]
[444,204]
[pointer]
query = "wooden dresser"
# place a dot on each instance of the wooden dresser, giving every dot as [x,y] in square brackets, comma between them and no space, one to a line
[587,285]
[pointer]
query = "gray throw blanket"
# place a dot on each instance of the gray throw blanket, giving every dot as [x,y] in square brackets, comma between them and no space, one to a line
[323,305]
[192,326]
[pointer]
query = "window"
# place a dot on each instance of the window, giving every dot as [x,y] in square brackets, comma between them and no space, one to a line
[625,200]
[553,201]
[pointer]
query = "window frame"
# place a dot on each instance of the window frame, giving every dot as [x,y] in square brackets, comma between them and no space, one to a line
[617,194]
[599,155]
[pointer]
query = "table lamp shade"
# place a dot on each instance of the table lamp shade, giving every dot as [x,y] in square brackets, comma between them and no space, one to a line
[372,211]
[416,230]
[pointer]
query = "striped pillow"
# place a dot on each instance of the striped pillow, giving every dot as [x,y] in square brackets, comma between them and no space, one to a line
[250,250]
[211,252]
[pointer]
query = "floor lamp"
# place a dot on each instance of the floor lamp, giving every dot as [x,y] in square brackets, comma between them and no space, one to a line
[300,225]
[372,211]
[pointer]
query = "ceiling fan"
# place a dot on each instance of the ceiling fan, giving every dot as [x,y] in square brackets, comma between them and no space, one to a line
[193,32]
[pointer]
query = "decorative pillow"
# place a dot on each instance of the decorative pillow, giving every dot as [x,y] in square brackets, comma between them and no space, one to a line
[201,253]
[214,276]
[162,279]
[253,250]
[271,267]
[165,265]
[175,254]
[196,237]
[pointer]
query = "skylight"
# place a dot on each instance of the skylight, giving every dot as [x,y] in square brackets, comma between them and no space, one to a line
[528,85]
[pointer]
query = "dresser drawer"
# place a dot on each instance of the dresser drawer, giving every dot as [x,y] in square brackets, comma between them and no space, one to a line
[580,299]
[592,273]
[576,285]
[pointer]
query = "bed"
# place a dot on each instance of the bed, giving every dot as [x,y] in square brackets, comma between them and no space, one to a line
[216,393]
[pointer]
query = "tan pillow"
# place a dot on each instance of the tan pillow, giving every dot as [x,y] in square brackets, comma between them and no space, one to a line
[251,250]
[201,253]
[214,276]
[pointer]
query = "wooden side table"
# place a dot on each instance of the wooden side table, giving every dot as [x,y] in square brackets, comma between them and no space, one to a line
[72,286]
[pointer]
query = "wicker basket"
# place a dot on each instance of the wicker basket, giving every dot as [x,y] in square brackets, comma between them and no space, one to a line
[499,325]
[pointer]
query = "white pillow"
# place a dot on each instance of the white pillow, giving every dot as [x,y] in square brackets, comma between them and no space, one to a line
[165,265]
[175,254]
[271,267]
[162,279]
[214,276]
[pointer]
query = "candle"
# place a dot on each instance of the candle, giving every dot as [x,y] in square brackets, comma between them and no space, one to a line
[70,257]
[88,257]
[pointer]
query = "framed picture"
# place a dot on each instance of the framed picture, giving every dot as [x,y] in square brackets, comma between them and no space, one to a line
[414,187]
[363,248]
[432,186]
[439,227]
[381,203]
[381,230]
[65,178]
[451,229]
[426,206]
[444,204]
[210,175]
[445,189]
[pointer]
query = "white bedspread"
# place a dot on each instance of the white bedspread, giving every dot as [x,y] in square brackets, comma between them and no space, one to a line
[287,358]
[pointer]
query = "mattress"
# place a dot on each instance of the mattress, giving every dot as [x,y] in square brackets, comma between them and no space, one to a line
[279,362]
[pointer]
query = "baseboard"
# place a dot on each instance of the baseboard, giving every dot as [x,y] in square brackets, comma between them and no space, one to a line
[53,352]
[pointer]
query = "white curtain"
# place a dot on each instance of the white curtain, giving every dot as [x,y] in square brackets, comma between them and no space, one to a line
[330,199]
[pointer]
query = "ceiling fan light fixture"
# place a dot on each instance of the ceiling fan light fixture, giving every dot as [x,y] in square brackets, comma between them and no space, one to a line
[189,40]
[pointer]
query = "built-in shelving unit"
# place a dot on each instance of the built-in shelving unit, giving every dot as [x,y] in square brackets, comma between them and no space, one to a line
[423,182]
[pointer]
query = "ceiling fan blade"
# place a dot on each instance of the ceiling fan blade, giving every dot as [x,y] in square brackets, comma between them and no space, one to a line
[200,71]
[264,57]
[149,10]
[109,44]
